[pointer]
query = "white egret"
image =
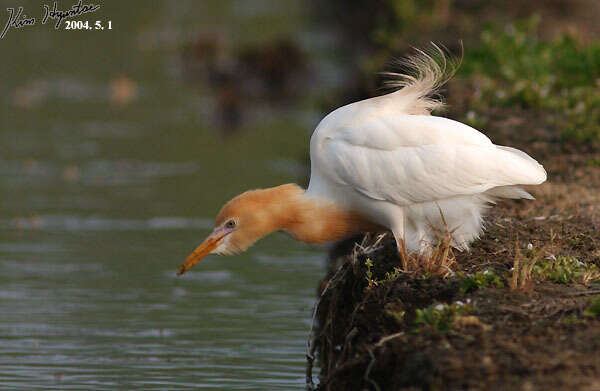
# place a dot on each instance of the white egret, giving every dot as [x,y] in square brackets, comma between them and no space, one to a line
[384,164]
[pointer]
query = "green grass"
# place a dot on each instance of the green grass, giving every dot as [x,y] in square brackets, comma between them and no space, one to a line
[480,279]
[369,274]
[372,281]
[593,162]
[566,270]
[593,310]
[513,67]
[441,317]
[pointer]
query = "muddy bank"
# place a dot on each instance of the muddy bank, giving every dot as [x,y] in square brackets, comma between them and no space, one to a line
[519,311]
[380,329]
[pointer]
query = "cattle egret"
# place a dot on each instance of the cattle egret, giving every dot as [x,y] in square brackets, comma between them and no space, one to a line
[384,164]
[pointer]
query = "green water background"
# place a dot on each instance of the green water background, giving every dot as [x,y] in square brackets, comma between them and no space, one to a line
[100,202]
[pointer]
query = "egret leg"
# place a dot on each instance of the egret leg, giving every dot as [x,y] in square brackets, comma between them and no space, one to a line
[402,251]
[399,231]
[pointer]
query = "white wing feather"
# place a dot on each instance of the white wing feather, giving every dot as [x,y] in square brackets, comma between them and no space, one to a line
[407,159]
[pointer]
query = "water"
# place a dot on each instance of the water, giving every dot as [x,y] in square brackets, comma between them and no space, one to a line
[111,171]
[95,309]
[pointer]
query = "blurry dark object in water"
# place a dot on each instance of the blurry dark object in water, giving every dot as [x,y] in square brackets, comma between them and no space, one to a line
[204,63]
[229,109]
[200,59]
[274,71]
[277,67]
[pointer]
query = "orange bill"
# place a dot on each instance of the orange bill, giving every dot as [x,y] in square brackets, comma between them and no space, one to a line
[212,242]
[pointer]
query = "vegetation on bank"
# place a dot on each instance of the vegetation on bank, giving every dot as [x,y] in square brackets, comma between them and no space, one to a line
[512,67]
[441,316]
[530,267]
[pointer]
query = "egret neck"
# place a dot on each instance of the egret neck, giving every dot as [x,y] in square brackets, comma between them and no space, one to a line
[310,219]
[256,213]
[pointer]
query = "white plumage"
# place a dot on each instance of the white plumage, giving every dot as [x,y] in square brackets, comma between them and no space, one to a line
[383,163]
[388,158]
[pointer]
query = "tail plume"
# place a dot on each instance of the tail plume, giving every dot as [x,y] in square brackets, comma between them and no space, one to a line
[426,72]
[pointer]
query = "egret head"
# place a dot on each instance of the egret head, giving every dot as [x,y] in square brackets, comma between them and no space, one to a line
[242,221]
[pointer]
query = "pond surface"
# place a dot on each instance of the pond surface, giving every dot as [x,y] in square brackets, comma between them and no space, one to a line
[111,171]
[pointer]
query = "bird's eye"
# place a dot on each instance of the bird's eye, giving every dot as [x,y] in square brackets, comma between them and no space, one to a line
[230,224]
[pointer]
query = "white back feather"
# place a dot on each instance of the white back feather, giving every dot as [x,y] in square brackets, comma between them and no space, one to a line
[389,159]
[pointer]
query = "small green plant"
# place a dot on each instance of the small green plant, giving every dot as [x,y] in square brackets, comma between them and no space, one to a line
[441,317]
[513,67]
[389,276]
[523,264]
[481,279]
[395,310]
[566,270]
[571,320]
[593,310]
[369,274]
[593,162]
[398,315]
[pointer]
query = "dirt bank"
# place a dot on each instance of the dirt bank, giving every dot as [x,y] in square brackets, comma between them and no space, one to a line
[467,331]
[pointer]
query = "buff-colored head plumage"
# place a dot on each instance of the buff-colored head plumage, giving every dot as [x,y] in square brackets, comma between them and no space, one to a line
[247,218]
[255,213]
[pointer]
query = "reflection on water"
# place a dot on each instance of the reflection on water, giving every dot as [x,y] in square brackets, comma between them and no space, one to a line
[111,171]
